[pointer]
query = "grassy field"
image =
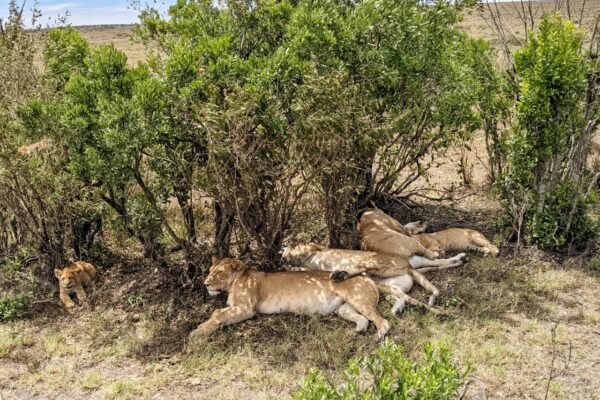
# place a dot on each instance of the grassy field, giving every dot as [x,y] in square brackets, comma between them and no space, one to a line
[529,324]
[128,346]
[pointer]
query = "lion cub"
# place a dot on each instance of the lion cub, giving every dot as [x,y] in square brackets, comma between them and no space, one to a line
[72,279]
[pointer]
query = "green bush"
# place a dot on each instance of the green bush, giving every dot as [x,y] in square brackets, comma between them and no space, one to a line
[10,306]
[546,189]
[387,374]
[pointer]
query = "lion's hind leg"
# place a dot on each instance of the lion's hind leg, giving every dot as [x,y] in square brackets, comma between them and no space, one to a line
[348,312]
[424,265]
[424,282]
[363,296]
[481,244]
[369,310]
[401,283]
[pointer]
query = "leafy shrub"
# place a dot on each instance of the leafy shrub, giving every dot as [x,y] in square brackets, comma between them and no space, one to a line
[387,374]
[10,306]
[594,264]
[546,189]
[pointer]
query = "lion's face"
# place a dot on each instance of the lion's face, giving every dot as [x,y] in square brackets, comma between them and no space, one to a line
[416,227]
[221,275]
[68,278]
[433,245]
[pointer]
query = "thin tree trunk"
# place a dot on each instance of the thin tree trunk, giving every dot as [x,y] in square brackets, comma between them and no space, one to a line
[224,220]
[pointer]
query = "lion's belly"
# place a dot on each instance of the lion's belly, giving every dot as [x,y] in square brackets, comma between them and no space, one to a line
[298,304]
[404,282]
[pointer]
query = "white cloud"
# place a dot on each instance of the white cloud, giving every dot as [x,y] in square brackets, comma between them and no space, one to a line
[58,7]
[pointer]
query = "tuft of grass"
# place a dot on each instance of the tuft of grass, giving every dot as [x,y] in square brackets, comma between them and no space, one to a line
[128,389]
[91,381]
[10,341]
[552,281]
[54,343]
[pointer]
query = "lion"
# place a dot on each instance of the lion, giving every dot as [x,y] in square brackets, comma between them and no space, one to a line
[393,274]
[72,279]
[412,228]
[381,233]
[457,239]
[252,292]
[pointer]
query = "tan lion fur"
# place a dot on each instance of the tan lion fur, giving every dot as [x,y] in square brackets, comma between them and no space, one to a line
[457,239]
[72,279]
[251,292]
[381,233]
[393,274]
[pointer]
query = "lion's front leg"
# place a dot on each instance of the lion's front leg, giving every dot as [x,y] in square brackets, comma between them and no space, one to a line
[222,317]
[81,296]
[64,297]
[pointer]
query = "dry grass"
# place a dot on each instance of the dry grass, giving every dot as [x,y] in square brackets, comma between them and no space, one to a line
[506,307]
[119,35]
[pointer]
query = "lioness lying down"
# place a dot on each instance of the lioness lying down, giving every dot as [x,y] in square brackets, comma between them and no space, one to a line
[457,239]
[312,292]
[375,228]
[72,279]
[381,233]
[394,275]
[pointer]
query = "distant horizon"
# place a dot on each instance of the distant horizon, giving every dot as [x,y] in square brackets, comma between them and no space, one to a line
[98,12]
[84,12]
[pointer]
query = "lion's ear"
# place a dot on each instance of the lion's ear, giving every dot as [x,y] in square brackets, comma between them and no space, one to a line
[57,273]
[214,260]
[237,265]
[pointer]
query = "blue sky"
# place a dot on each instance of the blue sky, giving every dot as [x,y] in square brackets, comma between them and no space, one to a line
[86,12]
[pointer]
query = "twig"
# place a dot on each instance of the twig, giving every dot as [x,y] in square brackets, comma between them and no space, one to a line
[553,373]
[464,387]
[42,301]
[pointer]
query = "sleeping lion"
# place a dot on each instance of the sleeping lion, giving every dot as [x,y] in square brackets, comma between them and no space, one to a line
[381,233]
[457,239]
[394,275]
[251,292]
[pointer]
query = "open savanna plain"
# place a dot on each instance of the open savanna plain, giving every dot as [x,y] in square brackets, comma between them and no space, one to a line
[527,322]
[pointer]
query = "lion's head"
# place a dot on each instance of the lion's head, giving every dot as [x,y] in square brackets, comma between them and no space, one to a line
[68,277]
[416,227]
[221,274]
[431,244]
